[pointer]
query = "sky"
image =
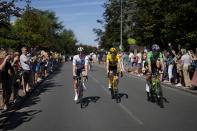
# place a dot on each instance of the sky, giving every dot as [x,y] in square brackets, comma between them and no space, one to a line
[77,15]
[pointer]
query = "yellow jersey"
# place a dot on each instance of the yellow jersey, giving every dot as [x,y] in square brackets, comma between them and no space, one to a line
[113,60]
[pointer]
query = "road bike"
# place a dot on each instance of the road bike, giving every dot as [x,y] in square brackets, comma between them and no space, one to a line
[156,90]
[80,89]
[114,88]
[90,65]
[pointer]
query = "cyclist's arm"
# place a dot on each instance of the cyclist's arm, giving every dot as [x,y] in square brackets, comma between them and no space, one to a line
[74,66]
[149,66]
[119,63]
[86,65]
[149,61]
[161,60]
[107,61]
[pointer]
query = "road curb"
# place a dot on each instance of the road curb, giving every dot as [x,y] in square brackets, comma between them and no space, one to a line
[162,83]
[168,85]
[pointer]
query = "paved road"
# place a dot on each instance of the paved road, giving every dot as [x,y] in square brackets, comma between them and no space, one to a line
[52,107]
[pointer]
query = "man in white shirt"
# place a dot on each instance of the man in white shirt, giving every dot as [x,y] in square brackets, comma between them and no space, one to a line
[131,60]
[185,63]
[25,64]
[139,62]
[80,67]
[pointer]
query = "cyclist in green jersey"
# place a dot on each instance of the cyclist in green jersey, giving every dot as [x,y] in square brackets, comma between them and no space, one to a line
[155,62]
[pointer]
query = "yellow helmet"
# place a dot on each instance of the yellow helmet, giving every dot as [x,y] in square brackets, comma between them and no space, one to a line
[112,50]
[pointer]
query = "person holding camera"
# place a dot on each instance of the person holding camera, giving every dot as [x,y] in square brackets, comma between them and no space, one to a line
[6,77]
[17,76]
[25,64]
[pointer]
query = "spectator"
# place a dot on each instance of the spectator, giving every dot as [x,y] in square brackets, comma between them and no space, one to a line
[165,54]
[178,66]
[126,61]
[33,72]
[25,64]
[17,75]
[185,63]
[131,60]
[194,78]
[3,58]
[6,82]
[104,57]
[170,62]
[192,66]
[134,63]
[121,54]
[139,62]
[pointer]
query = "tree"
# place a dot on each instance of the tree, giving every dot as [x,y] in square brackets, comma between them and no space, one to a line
[8,9]
[149,22]
[68,41]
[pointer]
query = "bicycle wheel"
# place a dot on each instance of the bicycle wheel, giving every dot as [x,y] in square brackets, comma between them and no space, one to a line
[91,67]
[80,90]
[112,89]
[117,97]
[160,96]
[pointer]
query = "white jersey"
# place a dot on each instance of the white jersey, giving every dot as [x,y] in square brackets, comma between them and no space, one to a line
[80,62]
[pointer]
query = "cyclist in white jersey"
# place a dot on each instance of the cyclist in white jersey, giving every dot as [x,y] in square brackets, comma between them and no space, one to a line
[80,65]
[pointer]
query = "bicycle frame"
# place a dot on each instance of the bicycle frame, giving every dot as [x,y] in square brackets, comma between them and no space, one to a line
[154,81]
[79,87]
[157,90]
[114,83]
[114,90]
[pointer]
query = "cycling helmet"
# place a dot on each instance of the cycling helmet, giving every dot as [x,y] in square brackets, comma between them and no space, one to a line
[155,47]
[80,49]
[112,50]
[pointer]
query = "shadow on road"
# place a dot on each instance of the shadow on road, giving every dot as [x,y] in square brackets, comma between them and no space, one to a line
[154,100]
[87,100]
[18,119]
[121,95]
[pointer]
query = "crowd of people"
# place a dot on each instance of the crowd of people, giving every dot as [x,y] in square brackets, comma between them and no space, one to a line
[180,65]
[23,71]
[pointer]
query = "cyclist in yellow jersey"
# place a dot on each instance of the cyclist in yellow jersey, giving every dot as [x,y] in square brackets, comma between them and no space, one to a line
[113,63]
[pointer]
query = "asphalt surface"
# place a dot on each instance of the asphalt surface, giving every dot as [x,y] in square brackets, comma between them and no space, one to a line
[52,108]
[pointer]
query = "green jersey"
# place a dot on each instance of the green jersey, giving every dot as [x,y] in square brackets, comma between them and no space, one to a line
[152,58]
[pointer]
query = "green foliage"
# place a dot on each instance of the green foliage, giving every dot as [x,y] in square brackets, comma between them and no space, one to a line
[150,21]
[41,28]
[68,41]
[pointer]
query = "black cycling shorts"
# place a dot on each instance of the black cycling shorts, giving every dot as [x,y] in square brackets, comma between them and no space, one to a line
[113,69]
[79,71]
[90,59]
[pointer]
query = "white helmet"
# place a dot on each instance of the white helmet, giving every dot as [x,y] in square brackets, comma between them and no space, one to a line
[80,49]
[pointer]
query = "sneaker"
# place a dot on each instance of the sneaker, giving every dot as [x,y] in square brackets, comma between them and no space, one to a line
[39,79]
[186,87]
[165,81]
[76,98]
[178,85]
[109,87]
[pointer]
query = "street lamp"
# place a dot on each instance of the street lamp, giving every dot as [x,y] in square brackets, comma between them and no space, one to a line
[120,25]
